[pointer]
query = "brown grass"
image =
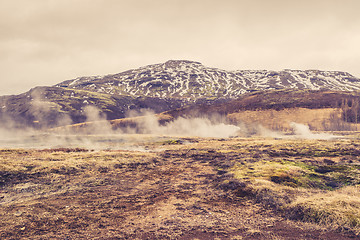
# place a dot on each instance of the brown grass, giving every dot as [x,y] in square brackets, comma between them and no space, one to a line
[312,181]
[238,188]
[317,119]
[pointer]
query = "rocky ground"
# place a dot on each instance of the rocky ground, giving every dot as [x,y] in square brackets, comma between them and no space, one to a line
[173,191]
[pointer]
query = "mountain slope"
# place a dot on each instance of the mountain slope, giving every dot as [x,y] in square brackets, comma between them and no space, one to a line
[274,109]
[159,87]
[192,80]
[54,106]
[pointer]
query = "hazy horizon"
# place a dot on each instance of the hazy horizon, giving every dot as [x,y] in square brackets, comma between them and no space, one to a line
[45,42]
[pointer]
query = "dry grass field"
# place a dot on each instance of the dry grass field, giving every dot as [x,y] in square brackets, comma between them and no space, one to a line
[317,119]
[184,188]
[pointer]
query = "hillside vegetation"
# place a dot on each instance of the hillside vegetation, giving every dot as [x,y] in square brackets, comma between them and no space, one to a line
[44,107]
[274,110]
[321,110]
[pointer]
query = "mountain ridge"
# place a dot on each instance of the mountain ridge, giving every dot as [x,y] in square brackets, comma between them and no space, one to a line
[158,87]
[192,80]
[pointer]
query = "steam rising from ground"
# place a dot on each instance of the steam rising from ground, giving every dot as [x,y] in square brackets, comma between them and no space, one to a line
[99,124]
[190,127]
[199,127]
[98,133]
[300,131]
[303,131]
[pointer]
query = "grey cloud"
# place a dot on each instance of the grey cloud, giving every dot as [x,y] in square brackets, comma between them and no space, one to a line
[45,42]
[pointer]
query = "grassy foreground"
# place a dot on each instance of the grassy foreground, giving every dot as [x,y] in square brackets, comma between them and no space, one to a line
[312,181]
[184,189]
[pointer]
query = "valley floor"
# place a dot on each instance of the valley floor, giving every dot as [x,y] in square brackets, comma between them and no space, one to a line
[180,189]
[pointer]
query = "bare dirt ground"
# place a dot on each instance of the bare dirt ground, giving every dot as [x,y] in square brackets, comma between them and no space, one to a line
[170,193]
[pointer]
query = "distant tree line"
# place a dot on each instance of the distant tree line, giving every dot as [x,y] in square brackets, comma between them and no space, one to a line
[350,110]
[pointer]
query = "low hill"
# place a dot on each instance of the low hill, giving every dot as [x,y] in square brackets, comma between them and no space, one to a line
[44,107]
[277,100]
[321,110]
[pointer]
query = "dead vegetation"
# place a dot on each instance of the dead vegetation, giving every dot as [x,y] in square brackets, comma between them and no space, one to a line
[312,181]
[184,189]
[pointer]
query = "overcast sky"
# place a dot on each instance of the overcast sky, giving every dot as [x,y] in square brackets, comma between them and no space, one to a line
[44,42]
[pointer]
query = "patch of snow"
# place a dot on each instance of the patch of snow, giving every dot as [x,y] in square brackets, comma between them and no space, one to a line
[73,82]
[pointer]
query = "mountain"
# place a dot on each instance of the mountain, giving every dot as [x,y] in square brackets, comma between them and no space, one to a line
[192,80]
[44,107]
[159,87]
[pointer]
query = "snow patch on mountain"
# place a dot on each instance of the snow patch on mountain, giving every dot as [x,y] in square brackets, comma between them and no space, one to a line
[192,80]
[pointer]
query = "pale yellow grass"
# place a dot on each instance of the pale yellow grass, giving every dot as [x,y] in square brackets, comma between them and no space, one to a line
[318,119]
[266,169]
[336,209]
[43,161]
